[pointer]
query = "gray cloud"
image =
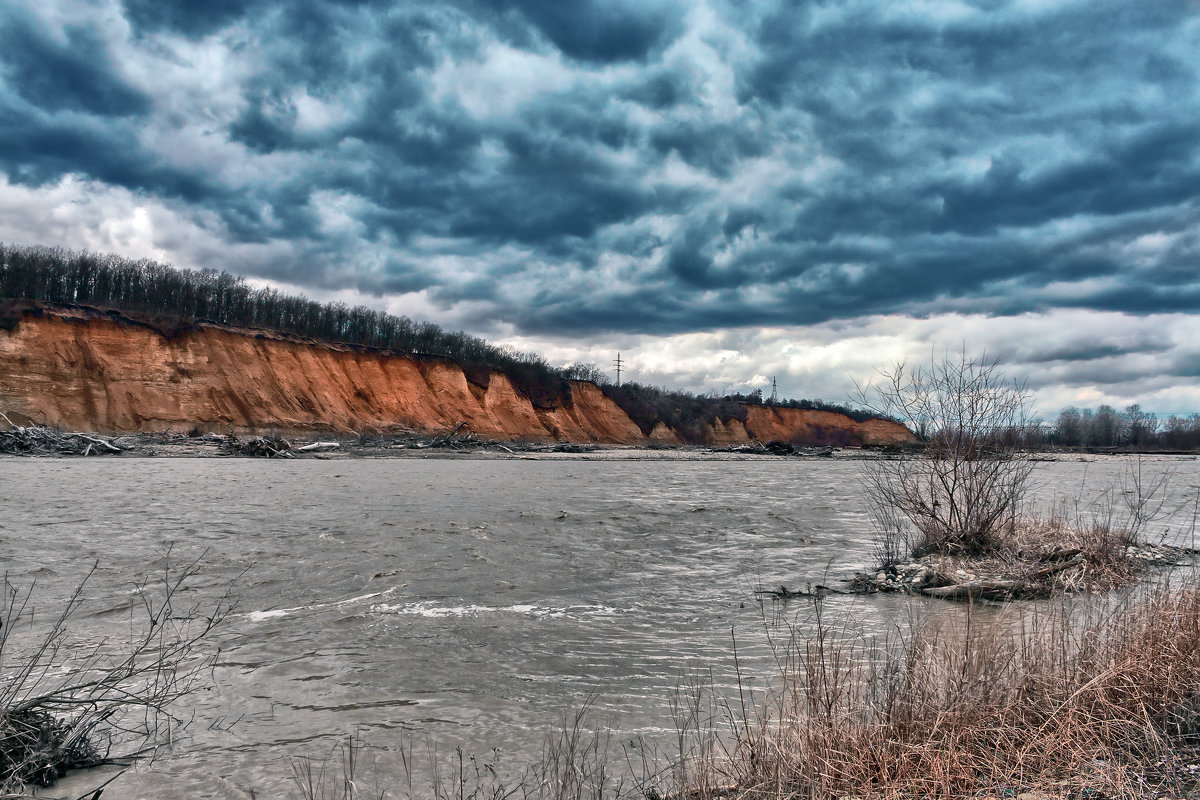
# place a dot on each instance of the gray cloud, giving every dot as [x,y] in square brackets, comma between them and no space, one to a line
[645,168]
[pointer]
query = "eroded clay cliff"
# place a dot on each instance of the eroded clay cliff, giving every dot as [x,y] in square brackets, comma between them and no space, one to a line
[87,371]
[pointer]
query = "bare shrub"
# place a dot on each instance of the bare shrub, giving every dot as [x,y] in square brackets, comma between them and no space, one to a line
[966,484]
[65,704]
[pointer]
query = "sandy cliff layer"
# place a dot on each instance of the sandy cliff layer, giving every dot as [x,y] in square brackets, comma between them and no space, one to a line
[87,372]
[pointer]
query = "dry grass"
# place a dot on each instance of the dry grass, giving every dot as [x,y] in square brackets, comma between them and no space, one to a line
[1107,708]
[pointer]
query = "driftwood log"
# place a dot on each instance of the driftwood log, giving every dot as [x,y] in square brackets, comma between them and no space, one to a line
[983,590]
[318,447]
[1075,560]
[1005,588]
[784,593]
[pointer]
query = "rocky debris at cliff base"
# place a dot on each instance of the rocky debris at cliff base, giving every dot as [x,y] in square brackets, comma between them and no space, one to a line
[962,579]
[258,447]
[456,441]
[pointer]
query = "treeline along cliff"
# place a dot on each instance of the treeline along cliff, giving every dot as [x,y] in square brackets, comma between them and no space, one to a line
[103,343]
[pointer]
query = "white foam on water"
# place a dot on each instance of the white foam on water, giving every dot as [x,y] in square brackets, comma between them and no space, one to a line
[428,608]
[258,616]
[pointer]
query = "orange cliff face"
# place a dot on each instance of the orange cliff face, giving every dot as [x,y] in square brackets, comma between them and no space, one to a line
[805,426]
[87,372]
[798,426]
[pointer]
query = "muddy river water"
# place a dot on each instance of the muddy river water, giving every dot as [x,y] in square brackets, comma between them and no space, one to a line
[456,602]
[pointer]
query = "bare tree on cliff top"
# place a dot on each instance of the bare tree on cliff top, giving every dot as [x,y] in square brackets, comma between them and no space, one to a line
[962,491]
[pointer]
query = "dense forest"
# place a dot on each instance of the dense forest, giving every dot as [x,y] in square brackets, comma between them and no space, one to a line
[173,299]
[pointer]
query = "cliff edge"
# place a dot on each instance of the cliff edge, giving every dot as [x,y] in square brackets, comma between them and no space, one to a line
[85,370]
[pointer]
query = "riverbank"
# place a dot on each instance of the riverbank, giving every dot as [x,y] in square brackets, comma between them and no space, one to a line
[411,444]
[43,442]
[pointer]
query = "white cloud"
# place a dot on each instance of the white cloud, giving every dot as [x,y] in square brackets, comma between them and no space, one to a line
[824,361]
[500,82]
[86,215]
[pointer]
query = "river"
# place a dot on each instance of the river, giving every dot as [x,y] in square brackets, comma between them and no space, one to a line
[460,602]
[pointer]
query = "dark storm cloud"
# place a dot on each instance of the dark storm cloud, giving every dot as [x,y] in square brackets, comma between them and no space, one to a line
[1154,168]
[39,150]
[645,167]
[72,72]
[194,19]
[597,30]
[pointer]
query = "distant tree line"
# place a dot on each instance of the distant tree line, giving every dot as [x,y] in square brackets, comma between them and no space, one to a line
[1105,427]
[175,298]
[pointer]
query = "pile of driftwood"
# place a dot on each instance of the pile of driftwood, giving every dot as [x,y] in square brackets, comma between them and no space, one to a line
[258,447]
[776,448]
[271,447]
[38,440]
[454,440]
[37,748]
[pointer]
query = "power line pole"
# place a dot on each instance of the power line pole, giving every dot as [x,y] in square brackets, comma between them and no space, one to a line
[774,391]
[618,364]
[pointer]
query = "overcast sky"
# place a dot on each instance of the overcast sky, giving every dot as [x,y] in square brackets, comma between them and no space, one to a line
[724,191]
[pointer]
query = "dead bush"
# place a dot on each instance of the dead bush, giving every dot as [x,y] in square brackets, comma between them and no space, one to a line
[67,704]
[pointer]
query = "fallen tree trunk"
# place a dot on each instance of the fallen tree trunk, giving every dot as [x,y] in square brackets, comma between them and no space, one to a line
[984,590]
[1075,561]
